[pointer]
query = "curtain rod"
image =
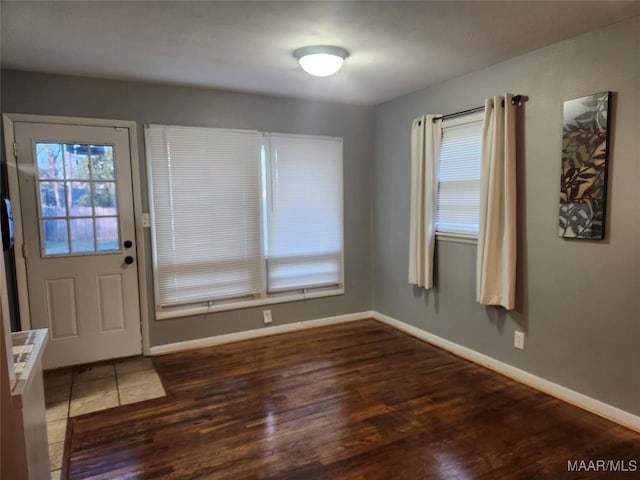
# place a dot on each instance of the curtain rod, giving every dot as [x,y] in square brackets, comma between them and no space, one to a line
[515,100]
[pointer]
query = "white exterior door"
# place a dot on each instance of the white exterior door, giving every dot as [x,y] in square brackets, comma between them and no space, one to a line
[79,237]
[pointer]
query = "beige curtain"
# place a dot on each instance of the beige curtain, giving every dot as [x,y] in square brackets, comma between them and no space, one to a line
[496,261]
[425,148]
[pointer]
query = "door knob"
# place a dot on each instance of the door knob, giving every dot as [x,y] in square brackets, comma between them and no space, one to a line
[128,244]
[128,260]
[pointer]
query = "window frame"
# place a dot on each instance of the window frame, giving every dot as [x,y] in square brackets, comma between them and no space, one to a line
[477,117]
[190,308]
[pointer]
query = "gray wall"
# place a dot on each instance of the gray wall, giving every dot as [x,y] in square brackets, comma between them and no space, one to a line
[35,93]
[578,301]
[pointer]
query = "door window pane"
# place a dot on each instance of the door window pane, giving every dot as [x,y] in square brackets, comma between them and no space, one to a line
[102,162]
[104,198]
[82,235]
[49,160]
[56,239]
[77,186]
[107,234]
[76,162]
[80,199]
[52,199]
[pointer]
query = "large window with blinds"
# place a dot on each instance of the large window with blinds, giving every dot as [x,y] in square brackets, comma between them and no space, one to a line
[303,212]
[458,207]
[243,218]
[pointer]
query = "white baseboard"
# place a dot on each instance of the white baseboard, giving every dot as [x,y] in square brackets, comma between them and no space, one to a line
[259,332]
[577,399]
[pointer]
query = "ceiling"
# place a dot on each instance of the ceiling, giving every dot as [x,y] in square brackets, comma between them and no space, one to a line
[396,47]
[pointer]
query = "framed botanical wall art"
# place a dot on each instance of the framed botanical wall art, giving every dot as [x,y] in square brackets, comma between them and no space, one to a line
[585,158]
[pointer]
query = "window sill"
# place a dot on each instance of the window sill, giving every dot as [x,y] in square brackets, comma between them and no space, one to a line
[188,311]
[455,238]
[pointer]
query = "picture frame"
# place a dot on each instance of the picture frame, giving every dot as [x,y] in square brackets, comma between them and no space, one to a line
[584,167]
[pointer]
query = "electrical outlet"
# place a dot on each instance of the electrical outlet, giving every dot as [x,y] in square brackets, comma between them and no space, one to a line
[518,340]
[266,316]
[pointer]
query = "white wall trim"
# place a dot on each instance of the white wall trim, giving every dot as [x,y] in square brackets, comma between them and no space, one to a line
[577,399]
[565,394]
[258,332]
[185,310]
[141,260]
[14,194]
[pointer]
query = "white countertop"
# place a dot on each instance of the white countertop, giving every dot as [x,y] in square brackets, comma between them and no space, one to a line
[28,347]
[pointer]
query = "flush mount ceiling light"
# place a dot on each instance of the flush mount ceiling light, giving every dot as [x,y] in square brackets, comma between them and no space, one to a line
[321,60]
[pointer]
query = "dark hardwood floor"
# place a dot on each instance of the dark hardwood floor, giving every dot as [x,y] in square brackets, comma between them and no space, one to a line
[352,401]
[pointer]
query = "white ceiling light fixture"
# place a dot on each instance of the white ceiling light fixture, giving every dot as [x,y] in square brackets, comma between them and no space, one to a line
[321,60]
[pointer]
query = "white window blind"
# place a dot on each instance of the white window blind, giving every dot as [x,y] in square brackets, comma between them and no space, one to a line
[205,203]
[304,211]
[458,208]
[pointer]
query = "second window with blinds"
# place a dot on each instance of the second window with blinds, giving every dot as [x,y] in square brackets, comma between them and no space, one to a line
[458,207]
[242,218]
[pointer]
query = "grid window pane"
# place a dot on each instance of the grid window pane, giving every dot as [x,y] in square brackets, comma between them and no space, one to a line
[49,159]
[107,235]
[52,199]
[82,235]
[76,162]
[104,198]
[56,237]
[102,162]
[79,199]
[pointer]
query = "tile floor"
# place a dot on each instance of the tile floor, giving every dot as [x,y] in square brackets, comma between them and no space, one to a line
[90,388]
